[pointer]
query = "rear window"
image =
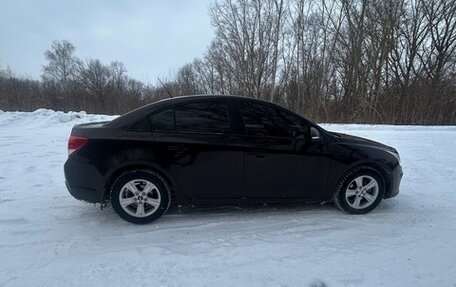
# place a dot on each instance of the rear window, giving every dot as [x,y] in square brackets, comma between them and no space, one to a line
[202,117]
[141,126]
[197,117]
[163,121]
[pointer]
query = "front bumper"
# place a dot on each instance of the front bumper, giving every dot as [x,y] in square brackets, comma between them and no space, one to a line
[395,181]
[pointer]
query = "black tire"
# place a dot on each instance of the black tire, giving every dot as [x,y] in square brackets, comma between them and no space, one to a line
[340,198]
[161,187]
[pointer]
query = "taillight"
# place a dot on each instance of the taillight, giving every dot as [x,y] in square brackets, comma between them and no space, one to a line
[75,143]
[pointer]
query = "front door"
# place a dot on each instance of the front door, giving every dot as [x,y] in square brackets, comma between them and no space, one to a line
[280,160]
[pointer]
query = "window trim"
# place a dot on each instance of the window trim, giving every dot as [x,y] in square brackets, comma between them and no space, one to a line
[235,118]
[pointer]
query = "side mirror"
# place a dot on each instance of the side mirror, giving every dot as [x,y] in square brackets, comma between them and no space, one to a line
[302,140]
[314,134]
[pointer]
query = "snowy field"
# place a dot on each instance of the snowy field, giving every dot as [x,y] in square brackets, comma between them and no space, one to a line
[47,238]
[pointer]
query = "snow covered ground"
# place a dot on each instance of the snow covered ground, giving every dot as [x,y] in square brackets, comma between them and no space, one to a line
[47,238]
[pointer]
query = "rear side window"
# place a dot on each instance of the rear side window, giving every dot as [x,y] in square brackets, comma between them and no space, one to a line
[202,117]
[141,126]
[268,121]
[163,121]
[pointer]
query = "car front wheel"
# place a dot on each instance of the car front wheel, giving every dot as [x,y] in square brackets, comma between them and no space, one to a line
[140,196]
[360,191]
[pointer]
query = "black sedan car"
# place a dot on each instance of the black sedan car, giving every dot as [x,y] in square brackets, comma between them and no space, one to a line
[223,150]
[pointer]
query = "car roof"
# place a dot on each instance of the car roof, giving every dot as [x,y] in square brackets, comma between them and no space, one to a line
[188,98]
[134,115]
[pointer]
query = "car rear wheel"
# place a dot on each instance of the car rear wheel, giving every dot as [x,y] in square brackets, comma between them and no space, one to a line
[140,196]
[360,191]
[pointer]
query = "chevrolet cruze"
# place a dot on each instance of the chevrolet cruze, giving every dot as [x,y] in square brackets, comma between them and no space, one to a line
[223,150]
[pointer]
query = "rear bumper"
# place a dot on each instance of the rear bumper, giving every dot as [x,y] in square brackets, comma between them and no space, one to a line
[84,193]
[395,181]
[84,181]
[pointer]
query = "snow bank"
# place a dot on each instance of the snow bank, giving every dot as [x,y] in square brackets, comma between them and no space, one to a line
[48,117]
[361,127]
[47,237]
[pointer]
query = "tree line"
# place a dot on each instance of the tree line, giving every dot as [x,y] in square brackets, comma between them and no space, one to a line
[363,61]
[69,83]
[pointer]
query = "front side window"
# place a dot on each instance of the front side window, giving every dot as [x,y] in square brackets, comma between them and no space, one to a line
[268,121]
[202,117]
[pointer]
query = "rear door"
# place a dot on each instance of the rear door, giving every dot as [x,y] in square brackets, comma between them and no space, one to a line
[201,147]
[281,161]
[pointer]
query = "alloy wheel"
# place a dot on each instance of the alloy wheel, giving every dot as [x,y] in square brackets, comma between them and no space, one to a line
[362,192]
[139,198]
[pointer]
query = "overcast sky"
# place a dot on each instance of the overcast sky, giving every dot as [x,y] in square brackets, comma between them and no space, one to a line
[152,38]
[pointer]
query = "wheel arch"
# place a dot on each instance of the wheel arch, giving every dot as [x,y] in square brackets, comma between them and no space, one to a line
[371,165]
[340,198]
[176,193]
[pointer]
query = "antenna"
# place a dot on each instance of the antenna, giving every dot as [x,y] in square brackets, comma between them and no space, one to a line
[169,93]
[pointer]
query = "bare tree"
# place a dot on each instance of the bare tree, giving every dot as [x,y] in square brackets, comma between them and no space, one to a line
[250,32]
[391,61]
[62,63]
[95,77]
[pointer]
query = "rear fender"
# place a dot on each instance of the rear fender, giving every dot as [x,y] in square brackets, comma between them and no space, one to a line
[111,176]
